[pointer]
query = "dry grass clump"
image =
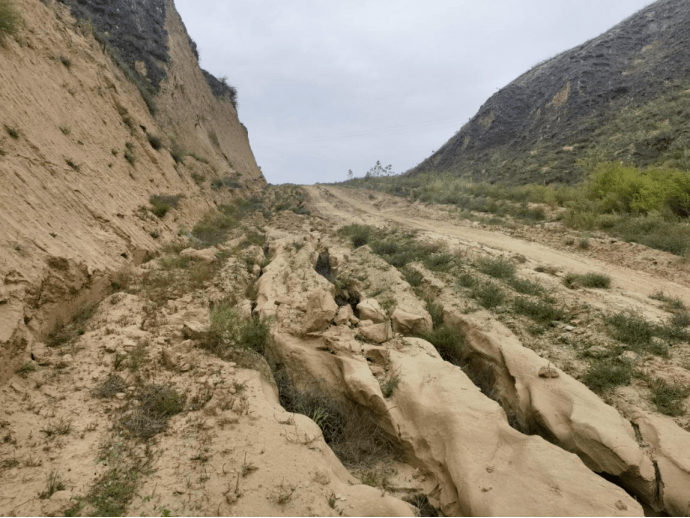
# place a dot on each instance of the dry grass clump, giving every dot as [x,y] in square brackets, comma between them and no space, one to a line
[162,203]
[351,430]
[229,331]
[111,386]
[587,280]
[157,403]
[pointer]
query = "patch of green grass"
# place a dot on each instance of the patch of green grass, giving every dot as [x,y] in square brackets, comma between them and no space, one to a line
[435,311]
[669,399]
[497,267]
[587,280]
[413,277]
[115,489]
[633,329]
[162,203]
[229,331]
[604,375]
[54,484]
[10,18]
[439,261]
[389,385]
[449,342]
[12,132]
[155,141]
[525,286]
[157,403]
[488,294]
[358,234]
[60,427]
[73,165]
[670,303]
[540,311]
[467,280]
[27,368]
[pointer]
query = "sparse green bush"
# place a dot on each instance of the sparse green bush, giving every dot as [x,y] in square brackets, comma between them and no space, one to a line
[525,286]
[229,331]
[603,375]
[10,18]
[670,303]
[587,280]
[66,61]
[540,310]
[129,153]
[488,294]
[157,403]
[359,234]
[413,277]
[680,319]
[467,280]
[53,485]
[162,203]
[389,385]
[498,267]
[449,342]
[439,261]
[214,228]
[12,132]
[156,142]
[435,311]
[669,399]
[633,329]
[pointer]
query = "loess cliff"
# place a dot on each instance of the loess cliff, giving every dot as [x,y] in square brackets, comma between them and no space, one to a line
[87,141]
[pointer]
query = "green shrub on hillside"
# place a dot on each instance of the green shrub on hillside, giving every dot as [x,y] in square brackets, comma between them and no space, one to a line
[10,18]
[621,188]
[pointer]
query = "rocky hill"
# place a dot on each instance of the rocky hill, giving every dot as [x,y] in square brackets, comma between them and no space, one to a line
[622,95]
[103,106]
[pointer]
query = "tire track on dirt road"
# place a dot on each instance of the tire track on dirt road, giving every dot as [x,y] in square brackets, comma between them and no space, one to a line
[344,206]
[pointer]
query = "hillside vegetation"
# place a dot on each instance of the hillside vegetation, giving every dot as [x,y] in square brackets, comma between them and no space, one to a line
[649,205]
[620,96]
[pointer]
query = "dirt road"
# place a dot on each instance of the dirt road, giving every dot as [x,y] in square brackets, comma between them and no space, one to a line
[631,287]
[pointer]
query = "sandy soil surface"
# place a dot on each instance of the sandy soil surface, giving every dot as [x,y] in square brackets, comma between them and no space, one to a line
[634,284]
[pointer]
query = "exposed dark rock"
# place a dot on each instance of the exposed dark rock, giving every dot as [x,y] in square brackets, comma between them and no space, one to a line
[528,130]
[135,28]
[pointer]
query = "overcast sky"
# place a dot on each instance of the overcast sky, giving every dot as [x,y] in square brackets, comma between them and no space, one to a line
[328,86]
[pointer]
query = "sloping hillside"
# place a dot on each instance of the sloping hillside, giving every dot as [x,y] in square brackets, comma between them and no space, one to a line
[622,95]
[81,153]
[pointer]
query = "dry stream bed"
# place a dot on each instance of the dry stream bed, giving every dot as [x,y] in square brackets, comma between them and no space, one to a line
[371,357]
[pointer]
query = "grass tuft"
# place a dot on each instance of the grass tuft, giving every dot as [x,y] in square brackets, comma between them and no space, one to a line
[669,399]
[587,280]
[603,375]
[540,311]
[497,267]
[162,203]
[488,294]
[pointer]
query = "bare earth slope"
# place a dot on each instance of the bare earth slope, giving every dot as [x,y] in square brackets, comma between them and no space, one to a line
[80,155]
[285,372]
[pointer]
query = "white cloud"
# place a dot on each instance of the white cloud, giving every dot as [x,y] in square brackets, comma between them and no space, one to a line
[329,86]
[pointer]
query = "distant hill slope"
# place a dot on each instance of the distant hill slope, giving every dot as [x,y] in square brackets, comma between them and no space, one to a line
[622,95]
